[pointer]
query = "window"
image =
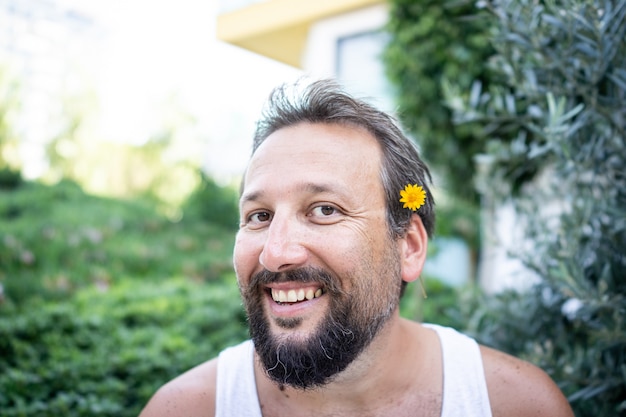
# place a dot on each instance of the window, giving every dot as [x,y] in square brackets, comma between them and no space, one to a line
[360,68]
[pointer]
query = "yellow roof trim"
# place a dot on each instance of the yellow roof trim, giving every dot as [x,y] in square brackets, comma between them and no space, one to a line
[278,28]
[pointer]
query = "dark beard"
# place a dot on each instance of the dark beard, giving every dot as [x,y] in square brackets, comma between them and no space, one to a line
[341,336]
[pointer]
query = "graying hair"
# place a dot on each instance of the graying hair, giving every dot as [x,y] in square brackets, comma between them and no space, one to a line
[324,101]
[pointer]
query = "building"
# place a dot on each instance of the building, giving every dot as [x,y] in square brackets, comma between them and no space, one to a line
[327,38]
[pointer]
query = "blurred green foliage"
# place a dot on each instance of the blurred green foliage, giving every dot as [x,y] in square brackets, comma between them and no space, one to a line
[432,43]
[9,178]
[528,99]
[106,353]
[211,203]
[562,67]
[56,239]
[435,45]
[104,300]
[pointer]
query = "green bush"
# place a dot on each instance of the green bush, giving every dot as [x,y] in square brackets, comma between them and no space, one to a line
[106,353]
[563,91]
[105,300]
[434,43]
[10,178]
[57,239]
[212,203]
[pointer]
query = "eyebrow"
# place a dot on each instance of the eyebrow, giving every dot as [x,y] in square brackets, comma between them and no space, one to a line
[309,187]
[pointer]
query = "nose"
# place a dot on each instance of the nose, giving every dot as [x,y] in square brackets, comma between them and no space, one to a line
[283,248]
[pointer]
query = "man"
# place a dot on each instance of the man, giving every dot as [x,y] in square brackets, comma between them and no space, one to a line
[335,218]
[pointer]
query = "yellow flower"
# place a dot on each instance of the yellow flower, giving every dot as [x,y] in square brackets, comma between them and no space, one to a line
[413,196]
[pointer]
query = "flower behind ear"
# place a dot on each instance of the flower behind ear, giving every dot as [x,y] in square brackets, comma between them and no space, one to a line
[413,196]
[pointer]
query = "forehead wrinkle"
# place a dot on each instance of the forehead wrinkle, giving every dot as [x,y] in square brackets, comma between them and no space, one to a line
[321,188]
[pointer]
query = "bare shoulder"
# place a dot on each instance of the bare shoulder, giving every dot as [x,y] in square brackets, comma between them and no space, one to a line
[519,388]
[190,394]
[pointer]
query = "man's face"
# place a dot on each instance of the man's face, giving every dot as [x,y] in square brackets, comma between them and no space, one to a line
[318,271]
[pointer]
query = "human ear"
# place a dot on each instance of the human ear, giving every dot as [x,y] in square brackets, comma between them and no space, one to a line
[413,248]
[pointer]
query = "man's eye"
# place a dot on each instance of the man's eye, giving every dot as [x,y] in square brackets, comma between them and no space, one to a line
[260,217]
[323,211]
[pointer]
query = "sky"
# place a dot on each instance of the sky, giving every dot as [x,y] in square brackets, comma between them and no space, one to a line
[154,52]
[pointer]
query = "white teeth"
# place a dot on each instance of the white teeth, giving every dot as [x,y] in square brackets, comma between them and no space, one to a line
[279,295]
[293,296]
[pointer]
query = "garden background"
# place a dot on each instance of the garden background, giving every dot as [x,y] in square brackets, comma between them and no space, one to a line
[106,298]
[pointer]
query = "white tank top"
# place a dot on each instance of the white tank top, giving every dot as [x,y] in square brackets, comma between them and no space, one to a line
[464,385]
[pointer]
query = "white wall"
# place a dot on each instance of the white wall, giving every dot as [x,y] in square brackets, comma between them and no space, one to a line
[357,65]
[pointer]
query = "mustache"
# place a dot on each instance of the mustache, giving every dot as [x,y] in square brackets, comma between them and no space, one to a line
[304,275]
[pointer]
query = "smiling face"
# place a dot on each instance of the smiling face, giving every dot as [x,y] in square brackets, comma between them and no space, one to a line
[318,270]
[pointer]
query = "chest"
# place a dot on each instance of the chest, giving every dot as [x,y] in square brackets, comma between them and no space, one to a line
[422,404]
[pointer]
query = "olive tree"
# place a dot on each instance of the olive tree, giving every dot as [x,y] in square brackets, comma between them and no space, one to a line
[562,98]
